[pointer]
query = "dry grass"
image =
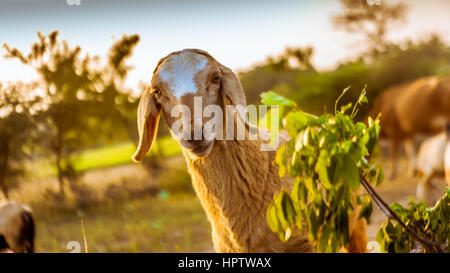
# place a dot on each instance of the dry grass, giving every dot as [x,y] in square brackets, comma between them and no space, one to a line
[123,209]
[149,224]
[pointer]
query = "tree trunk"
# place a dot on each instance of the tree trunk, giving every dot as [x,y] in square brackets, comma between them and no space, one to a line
[59,169]
[59,172]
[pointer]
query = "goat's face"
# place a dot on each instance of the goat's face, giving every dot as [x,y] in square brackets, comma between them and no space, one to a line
[179,80]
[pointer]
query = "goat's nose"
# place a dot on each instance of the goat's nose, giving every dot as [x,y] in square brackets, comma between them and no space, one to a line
[195,142]
[191,144]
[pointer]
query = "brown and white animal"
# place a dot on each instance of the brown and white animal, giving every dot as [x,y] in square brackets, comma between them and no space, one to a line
[418,107]
[17,228]
[433,161]
[234,180]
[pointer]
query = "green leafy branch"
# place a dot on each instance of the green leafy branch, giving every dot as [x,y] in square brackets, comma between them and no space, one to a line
[326,156]
[431,224]
[329,157]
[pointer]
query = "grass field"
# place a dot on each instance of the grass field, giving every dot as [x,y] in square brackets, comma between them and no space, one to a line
[107,156]
[176,223]
[124,208]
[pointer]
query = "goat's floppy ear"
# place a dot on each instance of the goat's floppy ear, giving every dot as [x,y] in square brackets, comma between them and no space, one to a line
[232,91]
[148,115]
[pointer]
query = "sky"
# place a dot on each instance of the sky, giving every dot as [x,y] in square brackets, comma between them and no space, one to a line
[238,34]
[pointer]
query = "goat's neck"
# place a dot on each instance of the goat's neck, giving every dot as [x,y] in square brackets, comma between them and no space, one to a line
[232,178]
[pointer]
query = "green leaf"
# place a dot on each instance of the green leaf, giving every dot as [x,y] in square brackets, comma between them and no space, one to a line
[281,215]
[312,224]
[374,131]
[366,208]
[271,98]
[333,244]
[280,159]
[299,195]
[349,173]
[321,169]
[362,97]
[380,238]
[343,226]
[380,177]
[310,185]
[299,141]
[399,209]
[271,217]
[344,108]
[324,238]
[288,208]
[294,122]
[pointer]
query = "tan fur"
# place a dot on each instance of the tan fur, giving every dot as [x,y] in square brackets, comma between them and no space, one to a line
[420,106]
[358,239]
[235,184]
[234,180]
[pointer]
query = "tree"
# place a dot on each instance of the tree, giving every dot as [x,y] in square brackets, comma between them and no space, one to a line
[372,21]
[84,101]
[70,95]
[302,56]
[16,127]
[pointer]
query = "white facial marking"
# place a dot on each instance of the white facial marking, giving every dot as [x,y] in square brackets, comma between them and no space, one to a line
[179,71]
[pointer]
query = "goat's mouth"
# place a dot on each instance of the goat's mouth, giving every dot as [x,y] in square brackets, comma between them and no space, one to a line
[198,148]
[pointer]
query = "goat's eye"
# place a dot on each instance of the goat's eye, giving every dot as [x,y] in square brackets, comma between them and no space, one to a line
[216,79]
[156,91]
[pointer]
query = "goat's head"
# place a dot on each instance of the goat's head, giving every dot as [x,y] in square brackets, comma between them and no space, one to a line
[179,79]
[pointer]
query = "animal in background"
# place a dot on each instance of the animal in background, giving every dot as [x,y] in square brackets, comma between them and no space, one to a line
[433,161]
[407,110]
[17,229]
[234,180]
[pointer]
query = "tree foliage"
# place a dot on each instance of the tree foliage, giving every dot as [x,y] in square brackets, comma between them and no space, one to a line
[326,156]
[16,132]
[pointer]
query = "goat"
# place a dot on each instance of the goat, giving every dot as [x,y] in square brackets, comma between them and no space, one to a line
[409,109]
[17,228]
[234,180]
[433,160]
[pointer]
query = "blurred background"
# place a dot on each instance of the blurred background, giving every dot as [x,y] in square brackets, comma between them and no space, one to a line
[71,73]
